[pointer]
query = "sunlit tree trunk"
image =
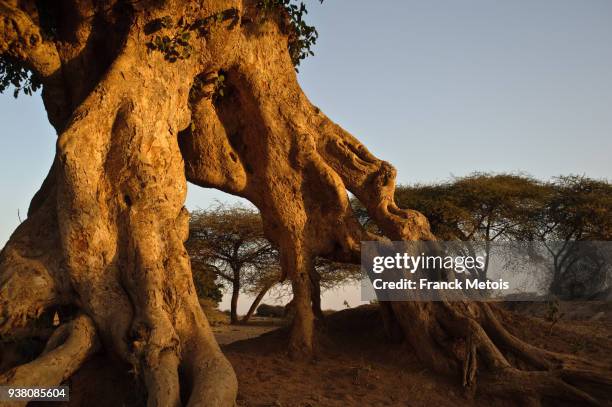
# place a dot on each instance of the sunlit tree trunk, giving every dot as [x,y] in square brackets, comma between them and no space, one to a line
[137,117]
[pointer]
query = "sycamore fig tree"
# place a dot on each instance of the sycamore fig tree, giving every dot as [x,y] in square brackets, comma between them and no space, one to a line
[148,94]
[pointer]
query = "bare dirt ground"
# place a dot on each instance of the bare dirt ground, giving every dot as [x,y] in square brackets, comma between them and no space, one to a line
[257,326]
[357,366]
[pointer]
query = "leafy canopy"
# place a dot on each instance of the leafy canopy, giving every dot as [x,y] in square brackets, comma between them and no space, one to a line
[15,74]
[176,45]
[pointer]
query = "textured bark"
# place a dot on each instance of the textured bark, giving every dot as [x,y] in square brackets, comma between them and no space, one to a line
[105,232]
[69,346]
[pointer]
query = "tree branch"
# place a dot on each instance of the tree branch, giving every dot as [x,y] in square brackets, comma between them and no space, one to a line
[21,39]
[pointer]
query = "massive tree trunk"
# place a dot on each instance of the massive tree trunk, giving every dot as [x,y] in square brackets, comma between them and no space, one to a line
[104,235]
[105,232]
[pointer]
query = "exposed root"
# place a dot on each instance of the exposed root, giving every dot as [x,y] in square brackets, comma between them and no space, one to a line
[67,349]
[554,375]
[537,386]
[468,338]
[162,381]
[211,380]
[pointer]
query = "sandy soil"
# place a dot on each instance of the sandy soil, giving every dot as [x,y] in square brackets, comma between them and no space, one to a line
[357,366]
[257,326]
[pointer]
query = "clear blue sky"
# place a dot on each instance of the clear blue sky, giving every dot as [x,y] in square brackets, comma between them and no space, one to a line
[437,88]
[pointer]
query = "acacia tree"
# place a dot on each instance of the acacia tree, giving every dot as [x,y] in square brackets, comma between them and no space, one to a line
[325,275]
[229,241]
[572,213]
[147,94]
[479,208]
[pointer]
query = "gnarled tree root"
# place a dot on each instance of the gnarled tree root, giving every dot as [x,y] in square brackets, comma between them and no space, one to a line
[67,349]
[468,340]
[549,375]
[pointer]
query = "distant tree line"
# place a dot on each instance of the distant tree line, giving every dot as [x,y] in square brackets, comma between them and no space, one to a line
[564,215]
[229,250]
